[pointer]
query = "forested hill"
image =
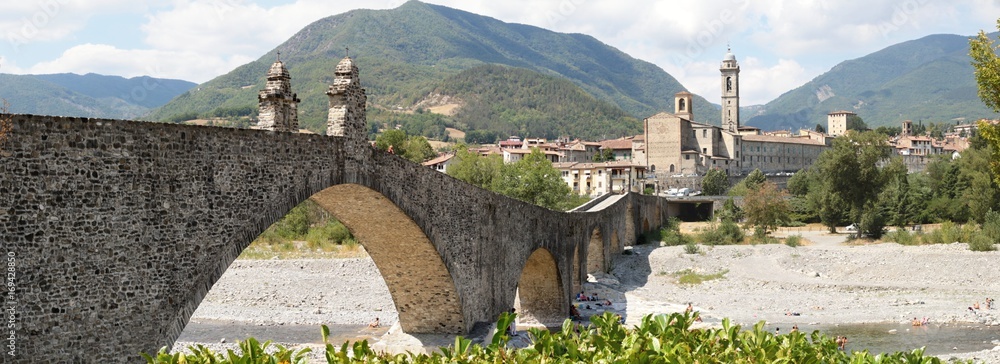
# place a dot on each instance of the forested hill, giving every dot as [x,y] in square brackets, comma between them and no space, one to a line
[405,54]
[929,79]
[532,105]
[89,95]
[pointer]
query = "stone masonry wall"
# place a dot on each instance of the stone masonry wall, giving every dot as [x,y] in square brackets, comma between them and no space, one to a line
[120,228]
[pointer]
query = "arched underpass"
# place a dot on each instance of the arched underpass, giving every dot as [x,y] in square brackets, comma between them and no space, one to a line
[540,298]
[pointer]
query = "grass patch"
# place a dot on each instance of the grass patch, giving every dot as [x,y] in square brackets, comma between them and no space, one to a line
[688,276]
[794,241]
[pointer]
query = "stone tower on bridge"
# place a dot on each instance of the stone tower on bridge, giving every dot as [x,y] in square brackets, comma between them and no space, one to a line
[278,105]
[347,103]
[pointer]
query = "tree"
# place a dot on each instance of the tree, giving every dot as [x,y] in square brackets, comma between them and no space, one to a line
[820,128]
[418,149]
[855,122]
[987,65]
[765,207]
[481,136]
[533,179]
[715,182]
[751,182]
[851,170]
[604,155]
[394,138]
[477,170]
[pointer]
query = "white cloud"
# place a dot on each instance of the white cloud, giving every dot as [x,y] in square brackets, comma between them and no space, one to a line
[109,60]
[26,22]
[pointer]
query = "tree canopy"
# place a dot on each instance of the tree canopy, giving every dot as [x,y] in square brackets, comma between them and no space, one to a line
[715,182]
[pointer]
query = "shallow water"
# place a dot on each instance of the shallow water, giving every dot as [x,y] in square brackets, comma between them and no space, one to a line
[937,339]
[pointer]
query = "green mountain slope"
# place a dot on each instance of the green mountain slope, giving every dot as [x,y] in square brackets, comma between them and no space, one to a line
[405,53]
[89,95]
[927,79]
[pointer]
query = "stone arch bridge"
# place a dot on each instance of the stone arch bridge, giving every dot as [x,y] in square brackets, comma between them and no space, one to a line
[114,231]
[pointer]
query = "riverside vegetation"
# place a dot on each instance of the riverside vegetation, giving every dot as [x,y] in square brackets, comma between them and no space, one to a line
[657,339]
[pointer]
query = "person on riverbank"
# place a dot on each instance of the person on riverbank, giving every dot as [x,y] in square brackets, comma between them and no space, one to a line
[512,329]
[374,324]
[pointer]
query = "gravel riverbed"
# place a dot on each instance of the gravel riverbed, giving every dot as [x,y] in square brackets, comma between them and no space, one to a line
[826,282]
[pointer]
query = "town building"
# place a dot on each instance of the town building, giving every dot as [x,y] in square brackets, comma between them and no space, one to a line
[674,145]
[595,179]
[836,122]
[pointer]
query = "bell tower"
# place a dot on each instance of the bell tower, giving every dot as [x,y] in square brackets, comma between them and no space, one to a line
[730,92]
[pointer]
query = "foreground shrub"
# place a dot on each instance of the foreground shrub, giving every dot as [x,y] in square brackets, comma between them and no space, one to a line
[981,243]
[691,248]
[670,234]
[793,241]
[725,233]
[901,237]
[657,339]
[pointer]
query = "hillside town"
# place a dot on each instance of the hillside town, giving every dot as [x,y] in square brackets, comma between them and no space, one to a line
[673,151]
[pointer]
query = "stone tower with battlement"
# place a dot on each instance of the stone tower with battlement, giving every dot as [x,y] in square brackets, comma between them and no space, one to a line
[730,92]
[277,104]
[347,104]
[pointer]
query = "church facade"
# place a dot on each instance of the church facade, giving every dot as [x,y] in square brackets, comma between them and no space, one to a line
[676,145]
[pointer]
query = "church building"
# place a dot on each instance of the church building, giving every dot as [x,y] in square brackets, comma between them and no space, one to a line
[677,145]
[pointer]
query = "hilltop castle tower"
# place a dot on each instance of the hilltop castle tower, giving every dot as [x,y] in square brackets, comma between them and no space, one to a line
[347,103]
[277,104]
[730,92]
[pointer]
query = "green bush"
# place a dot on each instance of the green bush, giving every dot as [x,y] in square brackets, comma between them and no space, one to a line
[656,339]
[902,237]
[691,248]
[872,224]
[793,241]
[981,243]
[991,226]
[725,233]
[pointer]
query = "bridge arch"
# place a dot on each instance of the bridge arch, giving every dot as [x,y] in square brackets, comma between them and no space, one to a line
[595,252]
[540,296]
[421,287]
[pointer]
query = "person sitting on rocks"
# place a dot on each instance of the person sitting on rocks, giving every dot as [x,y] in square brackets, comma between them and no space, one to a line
[374,324]
[607,302]
[574,314]
[689,308]
[975,305]
[795,328]
[581,297]
[916,322]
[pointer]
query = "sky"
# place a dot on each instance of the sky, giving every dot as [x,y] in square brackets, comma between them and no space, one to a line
[780,44]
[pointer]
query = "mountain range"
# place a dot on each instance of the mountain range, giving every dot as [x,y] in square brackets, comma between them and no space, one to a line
[89,95]
[510,79]
[408,52]
[929,79]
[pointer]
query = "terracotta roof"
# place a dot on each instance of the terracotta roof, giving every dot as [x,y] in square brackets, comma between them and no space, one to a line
[617,144]
[593,165]
[440,159]
[777,139]
[528,151]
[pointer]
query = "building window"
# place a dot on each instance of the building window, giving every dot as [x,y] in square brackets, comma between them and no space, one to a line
[704,150]
[694,133]
[704,133]
[687,157]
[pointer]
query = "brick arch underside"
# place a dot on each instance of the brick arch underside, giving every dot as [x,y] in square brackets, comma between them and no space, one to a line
[421,287]
[540,290]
